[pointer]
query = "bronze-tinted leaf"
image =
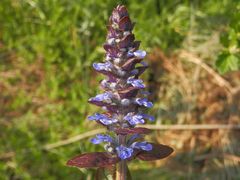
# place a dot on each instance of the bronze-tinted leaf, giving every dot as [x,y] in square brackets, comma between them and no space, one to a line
[129,64]
[108,47]
[97,103]
[112,33]
[122,10]
[115,16]
[126,41]
[92,160]
[136,45]
[159,151]
[125,24]
[137,130]
[110,74]
[140,70]
[112,108]
[129,92]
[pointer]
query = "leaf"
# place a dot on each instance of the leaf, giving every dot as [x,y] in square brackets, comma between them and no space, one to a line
[140,70]
[136,45]
[108,47]
[227,62]
[130,63]
[112,108]
[125,24]
[159,151]
[129,177]
[126,41]
[122,10]
[92,160]
[129,92]
[137,130]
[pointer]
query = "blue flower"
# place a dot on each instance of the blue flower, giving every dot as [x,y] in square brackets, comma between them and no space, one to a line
[107,97]
[146,93]
[136,83]
[140,54]
[134,72]
[144,102]
[134,119]
[149,117]
[133,138]
[142,145]
[101,138]
[107,66]
[144,63]
[124,152]
[103,119]
[130,54]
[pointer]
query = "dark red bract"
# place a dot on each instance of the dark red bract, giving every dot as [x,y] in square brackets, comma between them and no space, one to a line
[137,130]
[92,160]
[159,151]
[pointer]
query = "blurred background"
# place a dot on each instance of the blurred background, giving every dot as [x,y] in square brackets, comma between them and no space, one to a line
[46,51]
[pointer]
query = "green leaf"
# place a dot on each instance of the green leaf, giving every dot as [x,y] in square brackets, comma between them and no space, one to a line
[227,62]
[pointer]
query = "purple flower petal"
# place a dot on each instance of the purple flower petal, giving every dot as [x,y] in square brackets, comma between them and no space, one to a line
[134,119]
[149,117]
[144,102]
[140,54]
[130,54]
[106,97]
[107,66]
[101,138]
[145,93]
[104,119]
[124,152]
[142,145]
[144,64]
[138,83]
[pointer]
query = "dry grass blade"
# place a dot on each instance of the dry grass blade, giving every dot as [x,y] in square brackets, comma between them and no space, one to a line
[73,139]
[153,127]
[219,80]
[193,127]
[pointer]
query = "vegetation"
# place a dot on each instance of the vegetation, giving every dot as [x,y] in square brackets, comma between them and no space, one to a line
[46,51]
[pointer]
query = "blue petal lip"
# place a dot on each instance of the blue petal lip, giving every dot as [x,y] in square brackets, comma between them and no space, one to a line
[101,138]
[142,145]
[140,54]
[104,119]
[124,152]
[144,102]
[136,83]
[107,66]
[134,119]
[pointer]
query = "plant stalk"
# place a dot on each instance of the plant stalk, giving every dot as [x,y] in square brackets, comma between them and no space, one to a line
[121,170]
[121,173]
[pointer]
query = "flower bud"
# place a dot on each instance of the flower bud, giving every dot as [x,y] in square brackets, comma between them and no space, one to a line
[125,102]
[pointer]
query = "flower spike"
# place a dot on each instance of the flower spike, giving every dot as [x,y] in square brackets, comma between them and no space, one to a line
[123,99]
